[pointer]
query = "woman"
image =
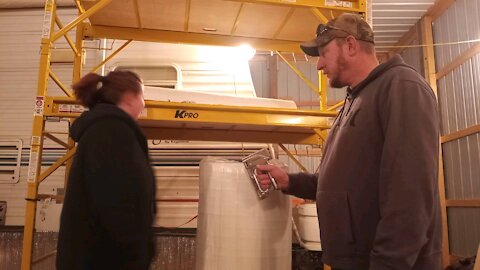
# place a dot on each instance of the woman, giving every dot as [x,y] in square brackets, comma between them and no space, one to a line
[110,198]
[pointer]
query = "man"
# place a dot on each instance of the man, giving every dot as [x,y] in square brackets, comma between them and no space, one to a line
[376,188]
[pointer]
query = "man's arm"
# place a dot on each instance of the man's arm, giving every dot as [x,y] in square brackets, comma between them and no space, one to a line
[301,185]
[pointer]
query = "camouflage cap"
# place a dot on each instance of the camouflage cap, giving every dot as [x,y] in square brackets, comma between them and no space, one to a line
[347,24]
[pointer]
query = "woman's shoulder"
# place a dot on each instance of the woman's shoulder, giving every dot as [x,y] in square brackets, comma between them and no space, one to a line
[109,128]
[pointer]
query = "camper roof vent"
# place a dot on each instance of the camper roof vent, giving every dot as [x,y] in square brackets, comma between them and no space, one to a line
[10,158]
[167,76]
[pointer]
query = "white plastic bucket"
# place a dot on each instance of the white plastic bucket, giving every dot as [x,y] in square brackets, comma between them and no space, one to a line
[308,226]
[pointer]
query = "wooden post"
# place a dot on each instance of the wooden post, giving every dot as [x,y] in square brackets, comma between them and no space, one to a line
[429,73]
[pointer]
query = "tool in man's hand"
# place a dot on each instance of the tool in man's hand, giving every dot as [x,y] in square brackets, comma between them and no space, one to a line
[260,157]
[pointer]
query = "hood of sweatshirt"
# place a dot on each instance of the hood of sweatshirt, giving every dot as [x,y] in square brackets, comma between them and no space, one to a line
[396,60]
[352,93]
[100,111]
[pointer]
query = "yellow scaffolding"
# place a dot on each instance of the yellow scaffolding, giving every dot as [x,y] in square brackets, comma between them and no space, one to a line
[226,123]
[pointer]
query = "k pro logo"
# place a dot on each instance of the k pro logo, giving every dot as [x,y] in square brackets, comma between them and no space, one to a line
[185,114]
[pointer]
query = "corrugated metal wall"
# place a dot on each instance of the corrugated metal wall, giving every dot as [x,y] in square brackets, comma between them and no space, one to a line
[414,56]
[260,76]
[459,97]
[292,86]
[172,252]
[289,84]
[19,50]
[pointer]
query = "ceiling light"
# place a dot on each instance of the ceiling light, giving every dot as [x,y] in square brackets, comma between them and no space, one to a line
[208,29]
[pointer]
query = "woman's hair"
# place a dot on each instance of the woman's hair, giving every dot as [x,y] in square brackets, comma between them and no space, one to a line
[94,88]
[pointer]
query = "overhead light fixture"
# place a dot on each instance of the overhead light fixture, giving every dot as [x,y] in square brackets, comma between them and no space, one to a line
[208,29]
[246,51]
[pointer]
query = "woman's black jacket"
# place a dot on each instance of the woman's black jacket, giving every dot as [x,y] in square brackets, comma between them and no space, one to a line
[106,221]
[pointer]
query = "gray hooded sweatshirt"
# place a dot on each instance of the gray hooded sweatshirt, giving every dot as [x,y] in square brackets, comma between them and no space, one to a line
[376,189]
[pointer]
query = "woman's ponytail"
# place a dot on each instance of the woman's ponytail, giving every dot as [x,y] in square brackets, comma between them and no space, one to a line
[86,90]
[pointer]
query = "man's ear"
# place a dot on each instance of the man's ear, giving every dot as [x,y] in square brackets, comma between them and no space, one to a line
[352,45]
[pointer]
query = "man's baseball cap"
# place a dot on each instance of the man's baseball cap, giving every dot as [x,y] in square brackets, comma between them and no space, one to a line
[347,24]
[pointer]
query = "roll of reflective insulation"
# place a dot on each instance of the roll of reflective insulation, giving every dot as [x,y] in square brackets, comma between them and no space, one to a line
[237,230]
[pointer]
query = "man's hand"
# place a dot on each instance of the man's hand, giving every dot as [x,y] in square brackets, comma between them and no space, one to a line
[280,176]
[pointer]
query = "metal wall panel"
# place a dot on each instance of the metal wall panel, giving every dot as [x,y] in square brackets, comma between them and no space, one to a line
[19,64]
[289,84]
[392,19]
[172,252]
[310,163]
[292,86]
[460,22]
[464,231]
[414,56]
[260,77]
[459,98]
[19,51]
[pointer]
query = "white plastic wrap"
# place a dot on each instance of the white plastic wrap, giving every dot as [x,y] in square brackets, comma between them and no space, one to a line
[237,230]
[176,95]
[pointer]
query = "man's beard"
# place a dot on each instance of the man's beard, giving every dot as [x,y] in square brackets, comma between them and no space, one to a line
[341,65]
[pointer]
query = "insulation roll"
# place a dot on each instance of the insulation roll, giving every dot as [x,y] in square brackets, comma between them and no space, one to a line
[237,230]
